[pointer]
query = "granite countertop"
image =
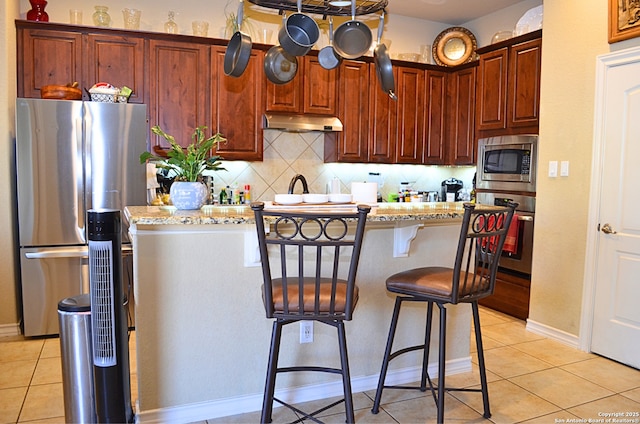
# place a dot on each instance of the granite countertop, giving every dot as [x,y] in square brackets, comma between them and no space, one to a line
[242,214]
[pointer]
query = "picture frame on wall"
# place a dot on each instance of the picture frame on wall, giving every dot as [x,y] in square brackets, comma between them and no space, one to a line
[624,19]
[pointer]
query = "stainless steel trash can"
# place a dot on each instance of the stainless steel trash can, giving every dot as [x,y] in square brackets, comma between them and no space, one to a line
[74,317]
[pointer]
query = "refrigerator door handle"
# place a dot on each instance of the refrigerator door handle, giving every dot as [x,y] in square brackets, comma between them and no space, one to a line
[82,252]
[79,131]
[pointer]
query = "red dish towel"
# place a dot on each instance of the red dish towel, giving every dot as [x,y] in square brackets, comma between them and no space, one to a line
[511,242]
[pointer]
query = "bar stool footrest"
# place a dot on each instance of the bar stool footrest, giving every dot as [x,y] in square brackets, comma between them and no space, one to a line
[304,415]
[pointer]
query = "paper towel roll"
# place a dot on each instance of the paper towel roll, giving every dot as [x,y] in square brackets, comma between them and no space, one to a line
[364,192]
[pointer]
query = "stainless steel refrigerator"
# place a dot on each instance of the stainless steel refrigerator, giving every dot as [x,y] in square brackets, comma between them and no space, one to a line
[71,156]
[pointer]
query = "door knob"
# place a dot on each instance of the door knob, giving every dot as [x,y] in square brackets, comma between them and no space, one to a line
[607,229]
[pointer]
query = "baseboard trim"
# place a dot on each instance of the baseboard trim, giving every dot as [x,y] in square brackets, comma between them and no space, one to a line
[251,403]
[7,330]
[553,333]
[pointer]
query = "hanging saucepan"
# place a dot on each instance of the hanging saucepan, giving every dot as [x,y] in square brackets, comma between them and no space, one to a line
[279,66]
[383,64]
[353,38]
[236,58]
[327,56]
[298,33]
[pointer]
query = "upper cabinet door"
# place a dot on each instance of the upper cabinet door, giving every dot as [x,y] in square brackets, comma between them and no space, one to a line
[353,110]
[313,90]
[286,98]
[383,116]
[47,57]
[237,106]
[320,88]
[492,90]
[460,117]
[117,60]
[434,144]
[411,115]
[178,89]
[524,83]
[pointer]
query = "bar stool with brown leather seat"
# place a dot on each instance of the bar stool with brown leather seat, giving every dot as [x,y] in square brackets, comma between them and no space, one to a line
[317,255]
[482,236]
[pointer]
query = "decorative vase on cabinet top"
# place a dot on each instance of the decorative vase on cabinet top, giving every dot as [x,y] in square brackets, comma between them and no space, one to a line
[188,195]
[101,16]
[37,12]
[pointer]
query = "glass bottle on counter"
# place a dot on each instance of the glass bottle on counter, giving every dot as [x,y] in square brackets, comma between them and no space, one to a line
[247,194]
[473,190]
[170,27]
[222,197]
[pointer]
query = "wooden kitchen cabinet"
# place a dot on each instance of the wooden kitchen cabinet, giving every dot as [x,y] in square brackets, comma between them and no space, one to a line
[509,86]
[178,89]
[118,60]
[47,57]
[511,295]
[237,106]
[351,144]
[411,115]
[492,90]
[395,131]
[435,142]
[460,117]
[55,56]
[314,90]
[524,84]
[383,118]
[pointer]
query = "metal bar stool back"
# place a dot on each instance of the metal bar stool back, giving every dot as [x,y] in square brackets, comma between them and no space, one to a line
[482,236]
[314,257]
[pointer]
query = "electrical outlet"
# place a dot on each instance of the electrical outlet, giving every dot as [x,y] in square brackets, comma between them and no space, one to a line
[306,331]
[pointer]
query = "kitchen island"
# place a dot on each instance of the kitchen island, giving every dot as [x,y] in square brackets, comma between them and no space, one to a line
[202,339]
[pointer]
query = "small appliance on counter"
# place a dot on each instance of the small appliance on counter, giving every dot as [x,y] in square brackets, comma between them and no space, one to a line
[450,189]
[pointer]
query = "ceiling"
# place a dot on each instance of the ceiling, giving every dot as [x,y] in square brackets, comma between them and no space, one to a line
[453,12]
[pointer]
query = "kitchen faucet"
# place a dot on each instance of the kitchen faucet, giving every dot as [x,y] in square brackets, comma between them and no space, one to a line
[294,180]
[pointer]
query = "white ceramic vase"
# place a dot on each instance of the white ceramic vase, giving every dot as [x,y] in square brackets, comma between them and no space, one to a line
[188,195]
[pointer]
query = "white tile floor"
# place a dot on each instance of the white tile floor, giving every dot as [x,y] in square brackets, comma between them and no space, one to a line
[531,380]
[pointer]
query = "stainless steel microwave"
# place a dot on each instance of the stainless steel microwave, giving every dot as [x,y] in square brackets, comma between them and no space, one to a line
[507,163]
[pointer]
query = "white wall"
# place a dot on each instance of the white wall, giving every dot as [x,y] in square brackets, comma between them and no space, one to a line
[574,34]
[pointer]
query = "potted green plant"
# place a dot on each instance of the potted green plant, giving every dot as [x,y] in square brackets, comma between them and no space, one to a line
[187,165]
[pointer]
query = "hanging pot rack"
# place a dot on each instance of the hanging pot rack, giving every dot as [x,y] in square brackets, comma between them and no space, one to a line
[325,7]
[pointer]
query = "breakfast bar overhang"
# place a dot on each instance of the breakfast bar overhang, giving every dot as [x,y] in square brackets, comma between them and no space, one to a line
[202,339]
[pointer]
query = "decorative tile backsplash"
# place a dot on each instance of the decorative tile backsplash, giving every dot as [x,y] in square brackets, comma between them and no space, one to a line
[287,154]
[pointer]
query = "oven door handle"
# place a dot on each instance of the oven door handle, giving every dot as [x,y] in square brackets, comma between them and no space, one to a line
[525,218]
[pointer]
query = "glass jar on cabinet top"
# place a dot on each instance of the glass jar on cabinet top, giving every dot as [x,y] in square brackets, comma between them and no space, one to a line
[170,27]
[101,16]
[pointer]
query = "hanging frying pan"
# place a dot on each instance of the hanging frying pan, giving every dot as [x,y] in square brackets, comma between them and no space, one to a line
[279,66]
[353,38]
[327,57]
[236,57]
[383,64]
[298,33]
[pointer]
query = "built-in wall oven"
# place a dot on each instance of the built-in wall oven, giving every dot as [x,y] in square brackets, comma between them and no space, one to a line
[507,171]
[519,258]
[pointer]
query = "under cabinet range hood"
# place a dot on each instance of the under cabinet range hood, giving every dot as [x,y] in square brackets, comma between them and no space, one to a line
[301,123]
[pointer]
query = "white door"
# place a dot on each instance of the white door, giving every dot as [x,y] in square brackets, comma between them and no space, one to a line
[616,313]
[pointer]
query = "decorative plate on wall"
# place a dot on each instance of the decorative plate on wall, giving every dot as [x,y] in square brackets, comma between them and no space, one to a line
[454,46]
